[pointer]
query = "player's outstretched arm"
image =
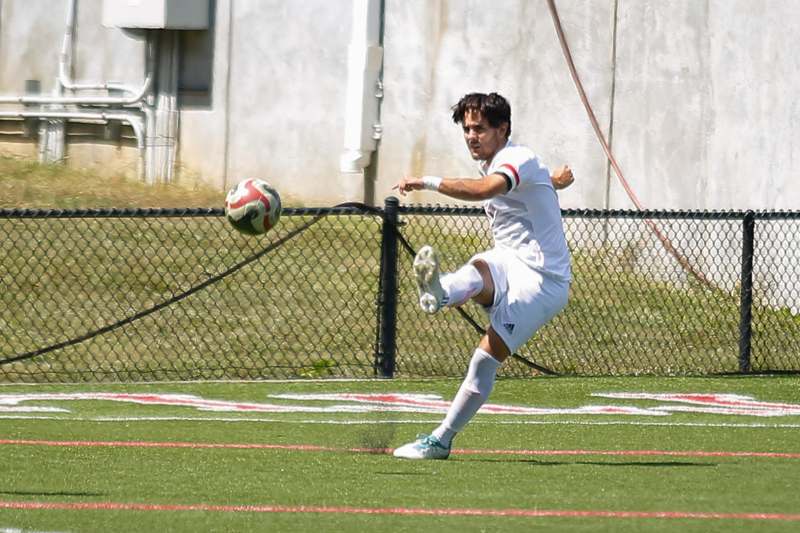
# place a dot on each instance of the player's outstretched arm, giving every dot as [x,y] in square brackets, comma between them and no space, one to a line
[562,177]
[475,189]
[468,189]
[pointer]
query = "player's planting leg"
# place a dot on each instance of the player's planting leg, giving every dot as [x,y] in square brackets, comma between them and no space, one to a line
[472,394]
[425,447]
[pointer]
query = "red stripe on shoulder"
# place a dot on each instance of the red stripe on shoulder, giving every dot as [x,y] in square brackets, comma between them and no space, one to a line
[513,172]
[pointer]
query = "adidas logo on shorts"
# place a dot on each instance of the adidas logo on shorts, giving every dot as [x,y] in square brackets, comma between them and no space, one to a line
[509,327]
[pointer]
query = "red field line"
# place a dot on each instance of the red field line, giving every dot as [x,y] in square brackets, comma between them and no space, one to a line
[315,448]
[531,513]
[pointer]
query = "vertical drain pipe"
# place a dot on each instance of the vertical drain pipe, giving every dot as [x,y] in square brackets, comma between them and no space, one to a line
[163,122]
[65,58]
[362,130]
[161,107]
[52,132]
[226,159]
[171,111]
[55,129]
[149,109]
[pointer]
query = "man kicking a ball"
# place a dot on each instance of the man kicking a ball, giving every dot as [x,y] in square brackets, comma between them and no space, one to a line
[523,282]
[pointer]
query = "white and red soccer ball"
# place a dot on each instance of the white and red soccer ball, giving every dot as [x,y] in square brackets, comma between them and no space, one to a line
[253,206]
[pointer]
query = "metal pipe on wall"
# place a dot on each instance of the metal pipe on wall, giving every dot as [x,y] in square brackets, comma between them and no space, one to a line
[65,63]
[174,116]
[80,100]
[51,131]
[136,95]
[135,121]
[364,62]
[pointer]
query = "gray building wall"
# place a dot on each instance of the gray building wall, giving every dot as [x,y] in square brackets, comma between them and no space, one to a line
[701,93]
[438,51]
[705,115]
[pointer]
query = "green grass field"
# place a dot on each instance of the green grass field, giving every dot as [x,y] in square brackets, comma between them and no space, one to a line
[112,465]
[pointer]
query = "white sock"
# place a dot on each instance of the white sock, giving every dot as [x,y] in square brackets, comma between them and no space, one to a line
[461,285]
[472,394]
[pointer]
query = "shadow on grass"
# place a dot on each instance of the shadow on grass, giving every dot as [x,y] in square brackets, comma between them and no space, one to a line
[48,493]
[648,464]
[404,473]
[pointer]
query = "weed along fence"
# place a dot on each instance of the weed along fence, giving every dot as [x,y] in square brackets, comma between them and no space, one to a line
[142,295]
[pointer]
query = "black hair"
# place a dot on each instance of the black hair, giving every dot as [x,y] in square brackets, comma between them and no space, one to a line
[492,106]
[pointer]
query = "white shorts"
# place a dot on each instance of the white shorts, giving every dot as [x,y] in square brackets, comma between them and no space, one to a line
[524,299]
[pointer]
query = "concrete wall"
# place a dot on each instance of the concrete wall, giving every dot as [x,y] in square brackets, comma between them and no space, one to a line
[435,52]
[278,98]
[286,102]
[705,114]
[701,92]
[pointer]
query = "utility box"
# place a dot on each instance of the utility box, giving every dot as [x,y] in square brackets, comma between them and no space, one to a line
[156,14]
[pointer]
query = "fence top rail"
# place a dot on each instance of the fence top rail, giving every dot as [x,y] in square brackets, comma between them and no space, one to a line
[429,209]
[187,212]
[406,209]
[682,214]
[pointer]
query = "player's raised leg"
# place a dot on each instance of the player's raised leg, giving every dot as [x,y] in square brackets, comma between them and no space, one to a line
[426,270]
[436,290]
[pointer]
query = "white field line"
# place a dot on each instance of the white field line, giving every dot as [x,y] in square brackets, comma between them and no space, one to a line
[363,422]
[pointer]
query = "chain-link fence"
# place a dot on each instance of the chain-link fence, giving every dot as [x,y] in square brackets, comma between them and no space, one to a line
[142,295]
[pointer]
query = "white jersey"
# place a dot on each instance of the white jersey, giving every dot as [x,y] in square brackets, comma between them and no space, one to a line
[527,219]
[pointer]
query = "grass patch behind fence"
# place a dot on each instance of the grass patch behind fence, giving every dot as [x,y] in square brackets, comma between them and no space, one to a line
[26,183]
[308,309]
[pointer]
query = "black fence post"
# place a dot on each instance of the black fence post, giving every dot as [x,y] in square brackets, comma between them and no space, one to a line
[746,298]
[387,297]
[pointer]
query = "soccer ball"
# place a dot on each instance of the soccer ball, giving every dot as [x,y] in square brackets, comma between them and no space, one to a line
[253,206]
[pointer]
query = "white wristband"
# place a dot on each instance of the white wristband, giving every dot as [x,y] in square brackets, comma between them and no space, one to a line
[431,183]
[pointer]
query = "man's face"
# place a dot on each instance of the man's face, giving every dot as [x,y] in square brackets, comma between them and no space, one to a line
[483,141]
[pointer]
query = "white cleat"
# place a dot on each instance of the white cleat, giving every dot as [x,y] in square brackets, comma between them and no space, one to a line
[425,447]
[426,269]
